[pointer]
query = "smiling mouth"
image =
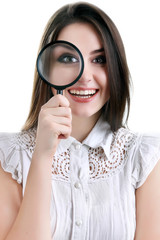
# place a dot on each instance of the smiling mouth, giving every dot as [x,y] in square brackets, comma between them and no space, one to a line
[83,93]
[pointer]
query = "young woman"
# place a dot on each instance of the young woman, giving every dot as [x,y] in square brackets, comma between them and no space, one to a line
[80,173]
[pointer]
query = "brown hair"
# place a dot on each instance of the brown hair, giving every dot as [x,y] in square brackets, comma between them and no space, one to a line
[117,69]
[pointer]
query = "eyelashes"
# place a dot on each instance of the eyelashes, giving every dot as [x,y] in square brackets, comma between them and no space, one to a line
[99,60]
[68,59]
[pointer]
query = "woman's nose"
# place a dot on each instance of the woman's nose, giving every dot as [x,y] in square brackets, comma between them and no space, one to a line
[87,74]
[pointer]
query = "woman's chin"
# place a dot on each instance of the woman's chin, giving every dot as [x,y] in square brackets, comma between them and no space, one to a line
[81,114]
[84,114]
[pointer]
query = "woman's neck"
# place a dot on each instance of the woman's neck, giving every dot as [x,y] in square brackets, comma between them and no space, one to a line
[81,126]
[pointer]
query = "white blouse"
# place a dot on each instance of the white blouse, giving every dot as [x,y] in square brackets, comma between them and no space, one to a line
[93,183]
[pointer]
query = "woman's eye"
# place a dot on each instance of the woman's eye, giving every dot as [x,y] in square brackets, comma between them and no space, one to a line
[67,59]
[99,60]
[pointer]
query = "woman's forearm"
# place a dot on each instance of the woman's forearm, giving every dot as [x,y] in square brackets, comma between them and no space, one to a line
[33,220]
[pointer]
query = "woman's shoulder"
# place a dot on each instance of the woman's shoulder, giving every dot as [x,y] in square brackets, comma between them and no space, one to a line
[124,139]
[24,140]
[128,139]
[13,147]
[140,150]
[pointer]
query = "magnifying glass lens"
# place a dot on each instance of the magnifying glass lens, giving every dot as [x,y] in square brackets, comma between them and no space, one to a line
[60,64]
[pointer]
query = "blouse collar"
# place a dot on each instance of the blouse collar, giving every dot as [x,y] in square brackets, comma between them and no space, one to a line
[100,136]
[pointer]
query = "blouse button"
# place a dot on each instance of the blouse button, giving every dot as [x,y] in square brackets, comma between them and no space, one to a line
[77,185]
[79,222]
[78,146]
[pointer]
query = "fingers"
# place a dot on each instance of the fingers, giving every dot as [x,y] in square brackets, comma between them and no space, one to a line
[57,101]
[57,111]
[52,113]
[62,130]
[63,121]
[54,123]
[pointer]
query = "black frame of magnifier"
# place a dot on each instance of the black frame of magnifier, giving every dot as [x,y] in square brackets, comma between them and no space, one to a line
[62,87]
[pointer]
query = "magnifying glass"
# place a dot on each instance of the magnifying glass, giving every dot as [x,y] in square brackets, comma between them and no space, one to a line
[60,64]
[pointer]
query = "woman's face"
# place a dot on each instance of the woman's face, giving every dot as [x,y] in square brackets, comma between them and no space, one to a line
[91,92]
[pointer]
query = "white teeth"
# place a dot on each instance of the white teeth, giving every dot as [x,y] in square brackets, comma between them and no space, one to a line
[81,92]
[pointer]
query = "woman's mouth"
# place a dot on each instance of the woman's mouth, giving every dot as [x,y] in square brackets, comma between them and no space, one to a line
[82,95]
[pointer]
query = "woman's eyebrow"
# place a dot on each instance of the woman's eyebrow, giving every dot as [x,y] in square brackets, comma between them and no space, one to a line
[97,51]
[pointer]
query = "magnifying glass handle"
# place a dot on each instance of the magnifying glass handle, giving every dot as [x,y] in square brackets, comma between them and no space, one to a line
[59,91]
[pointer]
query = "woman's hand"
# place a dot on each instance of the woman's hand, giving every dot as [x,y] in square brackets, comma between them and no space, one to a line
[54,123]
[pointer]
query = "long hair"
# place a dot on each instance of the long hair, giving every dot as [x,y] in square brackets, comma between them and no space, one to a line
[116,64]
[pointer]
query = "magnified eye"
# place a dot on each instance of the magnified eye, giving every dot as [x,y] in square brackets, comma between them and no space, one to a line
[67,58]
[100,60]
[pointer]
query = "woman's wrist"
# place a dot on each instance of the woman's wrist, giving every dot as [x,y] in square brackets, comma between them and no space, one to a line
[44,158]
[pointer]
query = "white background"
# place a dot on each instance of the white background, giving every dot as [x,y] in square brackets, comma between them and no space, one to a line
[21,27]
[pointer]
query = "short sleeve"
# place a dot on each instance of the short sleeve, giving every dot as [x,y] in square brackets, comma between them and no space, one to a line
[145,157]
[10,156]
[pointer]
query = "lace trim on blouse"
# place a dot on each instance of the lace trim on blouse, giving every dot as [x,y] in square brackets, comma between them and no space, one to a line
[27,140]
[99,165]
